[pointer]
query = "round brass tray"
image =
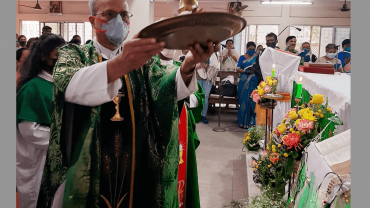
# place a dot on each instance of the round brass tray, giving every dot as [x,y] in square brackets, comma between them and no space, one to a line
[273,96]
[181,31]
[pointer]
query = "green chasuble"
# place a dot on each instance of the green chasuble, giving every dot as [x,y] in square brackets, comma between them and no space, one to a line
[153,182]
[34,101]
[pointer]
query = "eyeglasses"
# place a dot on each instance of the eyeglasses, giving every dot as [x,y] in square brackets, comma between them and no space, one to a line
[109,14]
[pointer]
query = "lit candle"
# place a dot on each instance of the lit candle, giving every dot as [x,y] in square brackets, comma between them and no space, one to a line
[299,88]
[273,71]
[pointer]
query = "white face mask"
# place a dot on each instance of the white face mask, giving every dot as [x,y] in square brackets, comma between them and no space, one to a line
[330,55]
[168,53]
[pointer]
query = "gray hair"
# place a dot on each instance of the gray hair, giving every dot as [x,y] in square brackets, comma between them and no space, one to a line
[92,7]
[330,46]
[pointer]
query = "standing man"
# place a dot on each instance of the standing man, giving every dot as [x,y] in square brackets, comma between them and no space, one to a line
[291,43]
[46,29]
[230,57]
[345,55]
[271,41]
[77,37]
[22,41]
[114,128]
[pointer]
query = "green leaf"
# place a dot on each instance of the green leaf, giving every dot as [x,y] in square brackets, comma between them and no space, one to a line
[336,120]
[289,165]
[295,155]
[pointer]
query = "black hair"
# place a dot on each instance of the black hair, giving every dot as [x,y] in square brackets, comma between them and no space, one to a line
[251,43]
[19,53]
[230,40]
[330,46]
[346,42]
[75,41]
[289,38]
[21,36]
[46,28]
[88,41]
[36,60]
[272,35]
[76,36]
[31,41]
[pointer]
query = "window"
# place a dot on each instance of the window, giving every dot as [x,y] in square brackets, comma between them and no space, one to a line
[257,33]
[30,29]
[319,37]
[84,30]
[55,27]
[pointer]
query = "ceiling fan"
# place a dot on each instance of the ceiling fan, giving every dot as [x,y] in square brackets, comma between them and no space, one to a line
[36,7]
[237,7]
[345,7]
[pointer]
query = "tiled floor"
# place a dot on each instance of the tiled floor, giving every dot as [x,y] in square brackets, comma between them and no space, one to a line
[221,162]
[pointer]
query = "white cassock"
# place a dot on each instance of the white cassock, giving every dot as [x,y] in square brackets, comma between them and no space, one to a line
[286,71]
[89,87]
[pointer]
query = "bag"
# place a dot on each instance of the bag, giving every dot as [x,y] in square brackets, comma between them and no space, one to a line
[229,90]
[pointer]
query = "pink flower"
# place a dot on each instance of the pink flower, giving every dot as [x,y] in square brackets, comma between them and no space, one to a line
[264,153]
[256,97]
[253,163]
[253,93]
[267,89]
[304,125]
[292,140]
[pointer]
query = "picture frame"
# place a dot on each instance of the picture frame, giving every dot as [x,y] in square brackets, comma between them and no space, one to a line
[55,7]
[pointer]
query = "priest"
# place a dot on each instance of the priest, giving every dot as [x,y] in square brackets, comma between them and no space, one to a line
[114,138]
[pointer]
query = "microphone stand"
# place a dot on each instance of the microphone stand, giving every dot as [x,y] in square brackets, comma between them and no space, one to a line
[219,128]
[289,26]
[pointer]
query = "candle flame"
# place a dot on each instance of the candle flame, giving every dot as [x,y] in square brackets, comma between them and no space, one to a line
[273,66]
[300,79]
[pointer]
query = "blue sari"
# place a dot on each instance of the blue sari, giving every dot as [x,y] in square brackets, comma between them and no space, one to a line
[247,83]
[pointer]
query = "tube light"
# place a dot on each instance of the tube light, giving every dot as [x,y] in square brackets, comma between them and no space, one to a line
[285,2]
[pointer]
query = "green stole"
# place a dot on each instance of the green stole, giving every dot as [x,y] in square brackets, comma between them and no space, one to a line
[156,126]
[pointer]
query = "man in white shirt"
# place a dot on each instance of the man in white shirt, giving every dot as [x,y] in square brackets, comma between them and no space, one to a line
[136,135]
[230,57]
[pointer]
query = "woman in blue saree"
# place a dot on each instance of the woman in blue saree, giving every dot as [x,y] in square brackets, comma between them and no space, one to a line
[247,83]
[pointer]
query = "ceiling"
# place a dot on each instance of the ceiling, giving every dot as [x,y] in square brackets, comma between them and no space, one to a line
[211,0]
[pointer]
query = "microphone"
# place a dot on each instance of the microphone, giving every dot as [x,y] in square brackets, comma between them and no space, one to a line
[223,45]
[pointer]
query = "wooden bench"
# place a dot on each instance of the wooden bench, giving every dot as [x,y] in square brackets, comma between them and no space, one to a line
[214,98]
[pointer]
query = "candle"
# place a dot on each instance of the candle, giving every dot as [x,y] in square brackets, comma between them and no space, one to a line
[273,71]
[299,88]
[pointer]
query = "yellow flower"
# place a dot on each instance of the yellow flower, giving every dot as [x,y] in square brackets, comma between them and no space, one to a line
[321,116]
[268,79]
[273,146]
[274,82]
[284,120]
[259,88]
[254,169]
[297,121]
[318,99]
[285,155]
[297,132]
[317,114]
[257,166]
[261,92]
[293,115]
[320,111]
[268,148]
[263,84]
[279,145]
[302,105]
[311,101]
[309,116]
[329,109]
[269,166]
[291,129]
[270,82]
[281,128]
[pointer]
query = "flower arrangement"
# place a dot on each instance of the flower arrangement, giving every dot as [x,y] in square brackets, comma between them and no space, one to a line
[252,138]
[265,87]
[298,128]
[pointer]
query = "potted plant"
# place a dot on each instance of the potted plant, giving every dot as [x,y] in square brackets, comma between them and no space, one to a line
[253,137]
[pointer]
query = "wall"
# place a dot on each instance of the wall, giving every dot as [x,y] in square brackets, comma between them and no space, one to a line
[321,13]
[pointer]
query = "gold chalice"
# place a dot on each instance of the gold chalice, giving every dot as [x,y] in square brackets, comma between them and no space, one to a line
[117,100]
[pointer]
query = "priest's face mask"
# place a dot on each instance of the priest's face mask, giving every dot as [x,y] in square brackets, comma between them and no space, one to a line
[168,53]
[111,21]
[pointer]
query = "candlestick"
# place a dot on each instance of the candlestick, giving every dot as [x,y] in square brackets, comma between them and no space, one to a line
[273,70]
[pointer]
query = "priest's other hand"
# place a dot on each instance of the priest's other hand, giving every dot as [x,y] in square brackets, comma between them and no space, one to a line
[135,53]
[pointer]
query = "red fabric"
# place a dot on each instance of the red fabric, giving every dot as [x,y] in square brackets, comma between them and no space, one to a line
[17,201]
[316,70]
[183,140]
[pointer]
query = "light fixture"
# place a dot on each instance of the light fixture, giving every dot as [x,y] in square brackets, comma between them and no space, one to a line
[285,2]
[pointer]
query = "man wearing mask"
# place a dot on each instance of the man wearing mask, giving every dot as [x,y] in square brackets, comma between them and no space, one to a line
[230,57]
[46,29]
[22,41]
[271,41]
[306,49]
[114,128]
[345,55]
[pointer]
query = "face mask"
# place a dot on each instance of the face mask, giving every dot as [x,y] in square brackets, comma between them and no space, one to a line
[330,55]
[51,68]
[250,52]
[116,30]
[22,43]
[271,45]
[168,53]
[348,49]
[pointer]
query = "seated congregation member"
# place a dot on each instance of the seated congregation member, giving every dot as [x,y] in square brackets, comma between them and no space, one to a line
[34,109]
[21,55]
[230,57]
[309,57]
[345,55]
[330,58]
[206,76]
[247,83]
